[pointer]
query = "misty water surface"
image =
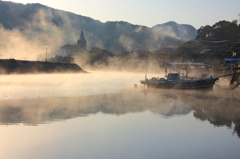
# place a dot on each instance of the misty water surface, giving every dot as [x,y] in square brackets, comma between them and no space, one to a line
[101,115]
[60,85]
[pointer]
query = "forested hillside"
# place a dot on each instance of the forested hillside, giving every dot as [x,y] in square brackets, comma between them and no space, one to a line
[36,25]
[223,36]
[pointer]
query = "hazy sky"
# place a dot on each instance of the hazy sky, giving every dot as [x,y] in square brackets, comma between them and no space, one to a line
[150,12]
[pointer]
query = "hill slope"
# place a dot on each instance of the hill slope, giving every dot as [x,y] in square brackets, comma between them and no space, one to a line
[179,31]
[47,26]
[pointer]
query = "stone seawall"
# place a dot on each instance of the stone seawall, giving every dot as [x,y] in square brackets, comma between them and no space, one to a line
[20,66]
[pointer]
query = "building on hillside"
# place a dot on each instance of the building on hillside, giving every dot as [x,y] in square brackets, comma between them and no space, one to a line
[102,53]
[98,55]
[61,59]
[70,50]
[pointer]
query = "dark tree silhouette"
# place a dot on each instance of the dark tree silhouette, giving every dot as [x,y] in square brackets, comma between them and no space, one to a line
[222,30]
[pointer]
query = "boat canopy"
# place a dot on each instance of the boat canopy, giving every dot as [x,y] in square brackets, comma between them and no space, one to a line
[188,63]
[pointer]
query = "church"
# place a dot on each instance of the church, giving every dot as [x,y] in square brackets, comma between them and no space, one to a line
[70,50]
[81,41]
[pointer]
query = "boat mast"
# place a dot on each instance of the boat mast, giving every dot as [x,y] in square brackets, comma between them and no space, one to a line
[145,77]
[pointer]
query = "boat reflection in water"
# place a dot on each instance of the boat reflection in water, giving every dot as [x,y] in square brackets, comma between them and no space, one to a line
[127,123]
[219,111]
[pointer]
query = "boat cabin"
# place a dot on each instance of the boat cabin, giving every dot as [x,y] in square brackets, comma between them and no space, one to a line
[173,76]
[191,69]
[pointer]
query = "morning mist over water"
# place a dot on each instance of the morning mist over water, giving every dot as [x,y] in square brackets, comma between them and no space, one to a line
[104,114]
[101,115]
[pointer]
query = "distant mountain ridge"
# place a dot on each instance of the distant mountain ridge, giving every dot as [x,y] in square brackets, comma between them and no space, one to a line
[179,31]
[54,27]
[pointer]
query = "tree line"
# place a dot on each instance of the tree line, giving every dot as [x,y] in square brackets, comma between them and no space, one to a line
[222,30]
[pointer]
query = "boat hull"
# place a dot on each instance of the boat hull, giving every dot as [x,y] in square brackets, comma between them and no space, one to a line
[181,84]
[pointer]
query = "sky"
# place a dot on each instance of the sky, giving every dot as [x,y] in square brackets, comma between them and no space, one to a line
[149,12]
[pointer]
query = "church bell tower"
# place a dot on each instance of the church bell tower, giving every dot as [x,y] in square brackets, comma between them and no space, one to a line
[81,41]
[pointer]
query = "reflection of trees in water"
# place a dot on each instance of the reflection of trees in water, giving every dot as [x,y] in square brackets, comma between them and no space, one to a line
[218,111]
[220,115]
[206,105]
[42,110]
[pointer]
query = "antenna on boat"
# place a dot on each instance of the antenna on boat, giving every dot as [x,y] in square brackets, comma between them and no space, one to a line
[145,78]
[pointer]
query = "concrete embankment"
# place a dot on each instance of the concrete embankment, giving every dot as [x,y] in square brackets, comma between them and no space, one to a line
[20,66]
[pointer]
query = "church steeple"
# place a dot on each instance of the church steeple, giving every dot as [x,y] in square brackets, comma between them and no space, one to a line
[81,41]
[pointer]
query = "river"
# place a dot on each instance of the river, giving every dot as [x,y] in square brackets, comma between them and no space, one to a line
[101,115]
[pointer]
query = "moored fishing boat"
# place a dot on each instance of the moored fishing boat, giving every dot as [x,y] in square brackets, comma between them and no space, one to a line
[174,81]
